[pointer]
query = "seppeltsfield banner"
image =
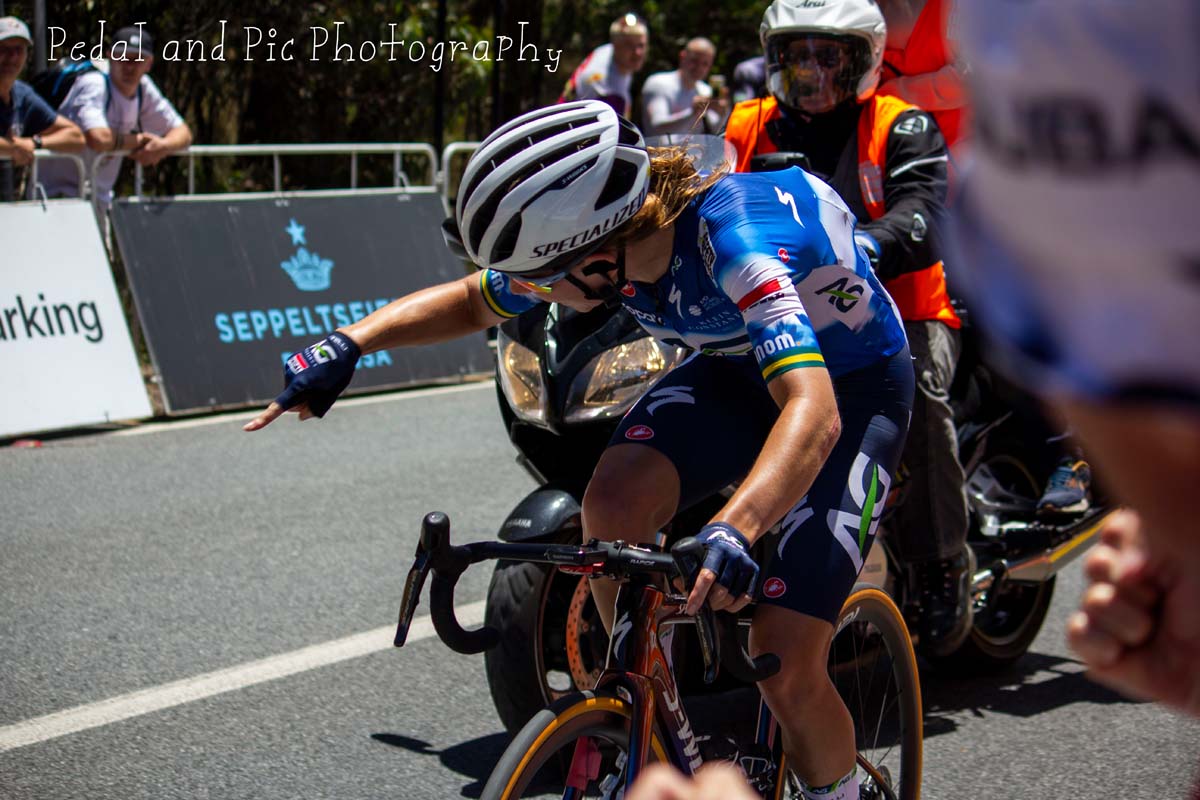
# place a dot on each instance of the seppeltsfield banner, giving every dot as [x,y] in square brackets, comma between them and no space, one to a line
[227,289]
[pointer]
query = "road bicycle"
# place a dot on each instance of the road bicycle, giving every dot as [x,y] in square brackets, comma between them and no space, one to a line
[595,743]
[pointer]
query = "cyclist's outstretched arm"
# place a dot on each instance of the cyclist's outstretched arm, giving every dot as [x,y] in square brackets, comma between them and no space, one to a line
[437,314]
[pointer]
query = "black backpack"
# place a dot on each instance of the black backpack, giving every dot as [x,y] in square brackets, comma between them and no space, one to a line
[54,84]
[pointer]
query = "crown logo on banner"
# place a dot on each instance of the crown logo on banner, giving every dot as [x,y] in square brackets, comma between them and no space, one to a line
[307,270]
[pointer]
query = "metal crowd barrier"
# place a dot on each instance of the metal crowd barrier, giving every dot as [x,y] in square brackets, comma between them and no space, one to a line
[397,150]
[449,176]
[440,174]
[43,154]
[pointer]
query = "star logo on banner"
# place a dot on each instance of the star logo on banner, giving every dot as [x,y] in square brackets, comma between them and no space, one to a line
[296,231]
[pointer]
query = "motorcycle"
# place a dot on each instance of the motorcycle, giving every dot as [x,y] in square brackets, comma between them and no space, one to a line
[1007,451]
[565,378]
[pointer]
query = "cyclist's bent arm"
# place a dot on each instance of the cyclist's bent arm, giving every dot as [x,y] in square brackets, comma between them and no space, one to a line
[437,314]
[805,433]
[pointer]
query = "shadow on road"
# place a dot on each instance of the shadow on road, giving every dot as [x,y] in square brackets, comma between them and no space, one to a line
[473,759]
[1035,684]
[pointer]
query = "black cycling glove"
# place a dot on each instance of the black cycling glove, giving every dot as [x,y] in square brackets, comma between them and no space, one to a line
[726,553]
[319,373]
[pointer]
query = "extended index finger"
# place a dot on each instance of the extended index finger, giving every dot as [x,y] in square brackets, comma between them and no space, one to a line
[704,582]
[264,419]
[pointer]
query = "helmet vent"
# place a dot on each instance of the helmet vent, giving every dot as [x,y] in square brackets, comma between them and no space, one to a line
[506,241]
[629,134]
[524,143]
[623,175]
[487,209]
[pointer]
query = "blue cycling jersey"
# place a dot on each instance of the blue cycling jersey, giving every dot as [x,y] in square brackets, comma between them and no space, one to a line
[763,263]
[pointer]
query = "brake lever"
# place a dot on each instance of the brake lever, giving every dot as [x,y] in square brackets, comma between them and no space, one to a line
[412,593]
[689,559]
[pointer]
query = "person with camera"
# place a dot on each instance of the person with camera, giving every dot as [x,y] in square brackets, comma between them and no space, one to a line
[680,101]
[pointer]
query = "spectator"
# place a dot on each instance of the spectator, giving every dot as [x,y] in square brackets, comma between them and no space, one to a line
[716,781]
[750,79]
[921,65]
[887,160]
[1083,249]
[119,109]
[607,72]
[27,122]
[680,102]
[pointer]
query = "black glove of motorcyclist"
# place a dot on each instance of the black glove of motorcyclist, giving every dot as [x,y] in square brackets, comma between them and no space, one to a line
[727,554]
[319,373]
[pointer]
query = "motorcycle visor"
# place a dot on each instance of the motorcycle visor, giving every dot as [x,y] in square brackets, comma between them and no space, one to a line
[814,73]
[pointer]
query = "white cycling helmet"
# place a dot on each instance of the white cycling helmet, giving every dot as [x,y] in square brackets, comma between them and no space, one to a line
[822,52]
[547,188]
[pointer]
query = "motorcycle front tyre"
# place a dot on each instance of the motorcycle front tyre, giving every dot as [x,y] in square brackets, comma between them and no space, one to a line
[536,761]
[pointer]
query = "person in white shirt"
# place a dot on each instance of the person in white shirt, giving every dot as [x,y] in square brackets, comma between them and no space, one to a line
[680,102]
[120,109]
[607,72]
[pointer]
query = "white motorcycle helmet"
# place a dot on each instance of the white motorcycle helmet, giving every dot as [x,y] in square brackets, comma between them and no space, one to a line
[546,189]
[820,53]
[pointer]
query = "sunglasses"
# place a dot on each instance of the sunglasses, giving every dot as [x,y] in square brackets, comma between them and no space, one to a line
[538,283]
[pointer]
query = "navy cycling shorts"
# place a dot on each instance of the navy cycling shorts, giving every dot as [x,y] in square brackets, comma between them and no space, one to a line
[711,415]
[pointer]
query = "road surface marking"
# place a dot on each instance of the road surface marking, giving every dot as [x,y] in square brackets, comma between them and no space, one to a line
[147,701]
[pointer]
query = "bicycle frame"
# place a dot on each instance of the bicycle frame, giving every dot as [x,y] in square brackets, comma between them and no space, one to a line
[637,663]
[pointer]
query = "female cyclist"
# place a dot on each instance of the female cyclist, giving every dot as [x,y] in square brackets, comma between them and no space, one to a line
[800,383]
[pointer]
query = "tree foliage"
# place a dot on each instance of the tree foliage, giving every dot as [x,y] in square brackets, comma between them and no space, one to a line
[247,98]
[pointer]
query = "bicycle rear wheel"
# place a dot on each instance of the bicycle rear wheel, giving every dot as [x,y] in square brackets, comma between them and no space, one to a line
[874,668]
[537,761]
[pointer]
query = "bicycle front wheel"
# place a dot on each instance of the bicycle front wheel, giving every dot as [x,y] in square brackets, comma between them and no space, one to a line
[874,668]
[577,748]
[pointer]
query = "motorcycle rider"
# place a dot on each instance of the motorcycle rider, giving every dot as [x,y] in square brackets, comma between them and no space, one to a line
[888,161]
[801,385]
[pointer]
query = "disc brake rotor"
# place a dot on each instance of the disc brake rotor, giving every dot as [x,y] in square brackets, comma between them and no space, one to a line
[579,632]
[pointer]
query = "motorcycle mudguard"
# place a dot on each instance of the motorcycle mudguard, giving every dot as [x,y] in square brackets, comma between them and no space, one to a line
[541,515]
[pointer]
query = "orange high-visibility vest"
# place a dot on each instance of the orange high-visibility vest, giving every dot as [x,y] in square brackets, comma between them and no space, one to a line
[926,51]
[919,295]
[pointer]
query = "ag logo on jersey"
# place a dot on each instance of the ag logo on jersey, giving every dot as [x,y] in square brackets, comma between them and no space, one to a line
[853,527]
[918,123]
[843,293]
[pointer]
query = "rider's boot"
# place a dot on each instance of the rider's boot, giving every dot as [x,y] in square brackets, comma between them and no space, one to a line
[945,595]
[1067,490]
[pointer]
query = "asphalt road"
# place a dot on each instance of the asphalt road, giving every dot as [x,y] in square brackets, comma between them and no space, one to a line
[181,608]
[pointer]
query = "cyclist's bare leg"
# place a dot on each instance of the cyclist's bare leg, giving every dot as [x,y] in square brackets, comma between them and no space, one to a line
[632,494]
[818,733]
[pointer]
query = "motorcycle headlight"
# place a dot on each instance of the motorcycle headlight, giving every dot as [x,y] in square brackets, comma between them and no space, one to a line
[521,380]
[616,378]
